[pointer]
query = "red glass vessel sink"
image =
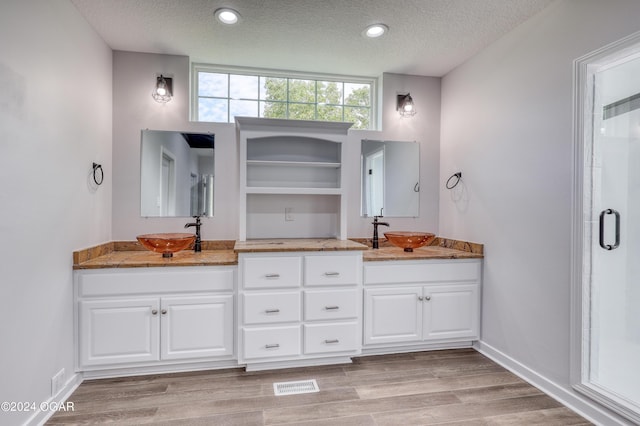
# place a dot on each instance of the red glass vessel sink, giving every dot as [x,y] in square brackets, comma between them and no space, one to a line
[409,240]
[166,243]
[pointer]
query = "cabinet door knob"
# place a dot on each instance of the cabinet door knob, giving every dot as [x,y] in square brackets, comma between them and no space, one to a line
[164,312]
[420,298]
[272,311]
[154,312]
[427,298]
[332,341]
[332,308]
[272,276]
[272,346]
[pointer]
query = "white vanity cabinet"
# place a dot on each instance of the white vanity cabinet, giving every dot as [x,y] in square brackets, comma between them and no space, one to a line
[300,308]
[154,317]
[421,302]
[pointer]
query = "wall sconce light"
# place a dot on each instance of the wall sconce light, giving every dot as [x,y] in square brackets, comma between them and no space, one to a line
[163,91]
[405,105]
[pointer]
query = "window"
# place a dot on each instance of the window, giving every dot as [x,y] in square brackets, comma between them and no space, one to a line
[220,94]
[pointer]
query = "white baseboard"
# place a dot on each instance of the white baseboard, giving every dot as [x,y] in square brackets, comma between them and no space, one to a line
[41,416]
[586,408]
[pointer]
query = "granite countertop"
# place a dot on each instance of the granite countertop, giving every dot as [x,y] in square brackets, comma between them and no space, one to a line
[130,254]
[149,259]
[296,244]
[427,252]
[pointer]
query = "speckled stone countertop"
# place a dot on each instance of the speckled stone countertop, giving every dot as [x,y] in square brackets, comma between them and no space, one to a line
[295,244]
[440,248]
[130,254]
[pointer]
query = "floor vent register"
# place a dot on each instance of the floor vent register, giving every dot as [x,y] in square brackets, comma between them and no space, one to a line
[295,388]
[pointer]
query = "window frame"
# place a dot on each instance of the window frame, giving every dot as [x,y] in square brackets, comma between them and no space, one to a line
[196,68]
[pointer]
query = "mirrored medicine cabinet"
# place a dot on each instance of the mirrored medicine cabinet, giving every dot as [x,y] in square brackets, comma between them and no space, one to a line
[390,178]
[176,174]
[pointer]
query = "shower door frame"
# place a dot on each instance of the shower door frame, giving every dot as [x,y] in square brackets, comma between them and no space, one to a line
[585,69]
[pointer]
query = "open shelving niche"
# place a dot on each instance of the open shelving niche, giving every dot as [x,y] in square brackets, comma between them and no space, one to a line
[291,178]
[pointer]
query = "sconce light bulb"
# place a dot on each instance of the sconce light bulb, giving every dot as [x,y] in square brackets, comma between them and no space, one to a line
[408,107]
[161,91]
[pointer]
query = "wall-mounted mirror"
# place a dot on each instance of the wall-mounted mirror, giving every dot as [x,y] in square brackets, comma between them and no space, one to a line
[176,174]
[390,178]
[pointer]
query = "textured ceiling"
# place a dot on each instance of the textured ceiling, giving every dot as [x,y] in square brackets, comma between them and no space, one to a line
[426,37]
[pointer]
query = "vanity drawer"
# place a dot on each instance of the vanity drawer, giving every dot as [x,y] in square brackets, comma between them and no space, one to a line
[125,281]
[272,272]
[330,304]
[261,308]
[271,342]
[420,272]
[332,270]
[323,338]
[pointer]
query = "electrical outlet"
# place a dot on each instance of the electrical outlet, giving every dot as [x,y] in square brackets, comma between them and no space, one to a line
[288,214]
[57,382]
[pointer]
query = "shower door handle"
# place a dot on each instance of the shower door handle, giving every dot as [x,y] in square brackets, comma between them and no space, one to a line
[617,242]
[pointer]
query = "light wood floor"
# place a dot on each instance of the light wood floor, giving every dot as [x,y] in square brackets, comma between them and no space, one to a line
[455,387]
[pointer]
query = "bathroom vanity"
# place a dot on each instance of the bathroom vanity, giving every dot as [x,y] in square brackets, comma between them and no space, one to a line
[269,304]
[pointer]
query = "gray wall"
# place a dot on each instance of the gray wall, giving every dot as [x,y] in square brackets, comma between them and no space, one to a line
[55,121]
[134,109]
[507,125]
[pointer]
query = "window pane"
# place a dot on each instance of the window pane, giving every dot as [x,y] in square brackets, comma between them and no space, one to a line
[243,87]
[302,111]
[212,110]
[302,90]
[273,109]
[360,117]
[213,84]
[329,92]
[357,94]
[273,89]
[243,108]
[329,113]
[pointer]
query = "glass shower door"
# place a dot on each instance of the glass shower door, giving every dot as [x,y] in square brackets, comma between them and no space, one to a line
[614,277]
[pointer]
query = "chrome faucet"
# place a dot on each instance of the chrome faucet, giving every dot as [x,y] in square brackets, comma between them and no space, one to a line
[197,247]
[375,223]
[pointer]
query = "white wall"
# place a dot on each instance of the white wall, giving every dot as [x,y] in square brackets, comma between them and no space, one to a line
[507,125]
[134,109]
[55,121]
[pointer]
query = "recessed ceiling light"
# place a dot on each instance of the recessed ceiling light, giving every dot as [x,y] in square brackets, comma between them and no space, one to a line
[375,30]
[227,16]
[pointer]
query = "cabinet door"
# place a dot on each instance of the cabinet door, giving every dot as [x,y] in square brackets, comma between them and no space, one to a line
[451,312]
[393,315]
[118,331]
[197,327]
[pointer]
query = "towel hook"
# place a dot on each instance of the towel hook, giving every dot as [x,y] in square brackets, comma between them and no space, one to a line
[97,167]
[457,176]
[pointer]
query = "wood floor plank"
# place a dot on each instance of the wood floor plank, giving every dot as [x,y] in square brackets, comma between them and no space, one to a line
[356,407]
[417,386]
[452,387]
[466,411]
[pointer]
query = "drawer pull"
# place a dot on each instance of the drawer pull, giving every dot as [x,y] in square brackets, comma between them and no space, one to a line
[332,308]
[332,341]
[272,311]
[272,346]
[272,276]
[332,274]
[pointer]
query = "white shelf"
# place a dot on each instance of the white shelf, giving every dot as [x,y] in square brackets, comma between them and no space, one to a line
[293,191]
[270,163]
[291,178]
